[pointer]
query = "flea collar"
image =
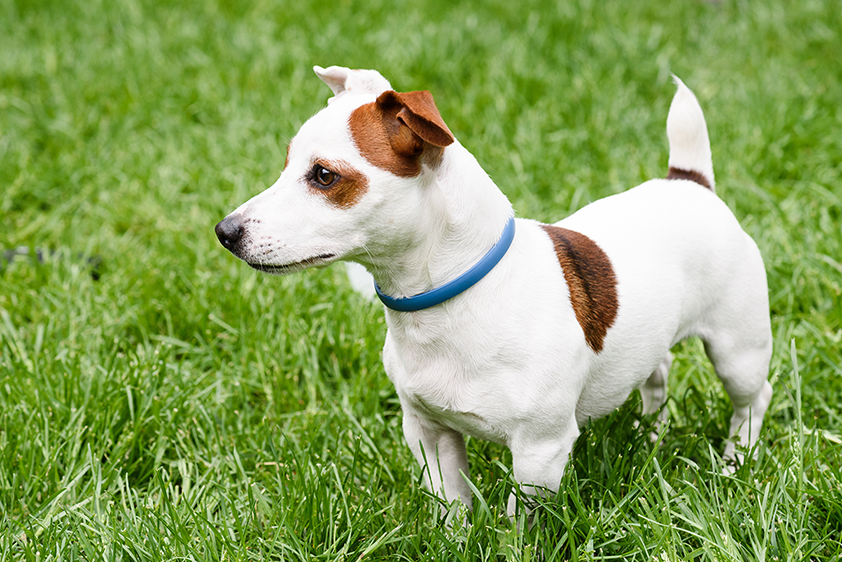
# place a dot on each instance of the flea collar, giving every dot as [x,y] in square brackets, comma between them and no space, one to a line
[459,285]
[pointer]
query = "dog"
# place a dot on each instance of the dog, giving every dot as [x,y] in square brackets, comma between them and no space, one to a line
[508,329]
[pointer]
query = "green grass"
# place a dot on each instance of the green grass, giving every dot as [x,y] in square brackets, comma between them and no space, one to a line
[182,406]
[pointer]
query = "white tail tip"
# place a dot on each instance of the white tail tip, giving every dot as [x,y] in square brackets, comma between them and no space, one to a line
[690,156]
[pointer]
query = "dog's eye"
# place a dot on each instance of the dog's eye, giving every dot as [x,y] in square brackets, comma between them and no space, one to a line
[325,177]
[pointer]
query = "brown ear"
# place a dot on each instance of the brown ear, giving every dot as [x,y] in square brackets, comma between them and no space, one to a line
[419,113]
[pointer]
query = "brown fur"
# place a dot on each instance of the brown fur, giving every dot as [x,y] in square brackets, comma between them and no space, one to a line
[348,189]
[591,281]
[679,174]
[396,130]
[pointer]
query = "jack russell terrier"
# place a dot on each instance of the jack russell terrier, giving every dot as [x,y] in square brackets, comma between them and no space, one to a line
[508,329]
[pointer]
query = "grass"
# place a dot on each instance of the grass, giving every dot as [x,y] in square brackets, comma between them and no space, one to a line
[181,406]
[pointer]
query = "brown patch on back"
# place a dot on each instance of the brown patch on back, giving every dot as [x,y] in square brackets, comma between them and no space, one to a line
[396,130]
[348,189]
[692,175]
[591,281]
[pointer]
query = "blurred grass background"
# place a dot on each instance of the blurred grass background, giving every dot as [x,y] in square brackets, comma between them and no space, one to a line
[184,406]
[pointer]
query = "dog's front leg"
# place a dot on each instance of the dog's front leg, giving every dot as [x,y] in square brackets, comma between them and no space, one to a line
[441,453]
[539,462]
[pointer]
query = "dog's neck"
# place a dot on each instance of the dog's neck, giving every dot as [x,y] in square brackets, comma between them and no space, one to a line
[462,217]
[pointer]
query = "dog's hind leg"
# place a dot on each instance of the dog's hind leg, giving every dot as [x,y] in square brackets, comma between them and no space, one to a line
[653,393]
[741,360]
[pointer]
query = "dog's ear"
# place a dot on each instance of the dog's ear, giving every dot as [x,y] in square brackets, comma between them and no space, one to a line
[340,80]
[334,77]
[418,111]
[400,131]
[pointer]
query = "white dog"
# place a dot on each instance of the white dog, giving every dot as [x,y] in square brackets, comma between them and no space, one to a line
[508,329]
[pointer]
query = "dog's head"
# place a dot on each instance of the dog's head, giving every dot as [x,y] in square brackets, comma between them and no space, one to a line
[354,175]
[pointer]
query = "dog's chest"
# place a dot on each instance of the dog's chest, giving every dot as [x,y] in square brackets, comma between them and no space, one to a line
[444,384]
[474,421]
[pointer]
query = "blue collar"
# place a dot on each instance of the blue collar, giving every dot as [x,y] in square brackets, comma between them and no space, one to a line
[458,285]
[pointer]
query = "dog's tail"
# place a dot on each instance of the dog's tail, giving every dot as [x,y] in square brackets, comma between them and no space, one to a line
[690,157]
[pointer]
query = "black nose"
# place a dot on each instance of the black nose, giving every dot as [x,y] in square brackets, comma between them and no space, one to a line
[229,231]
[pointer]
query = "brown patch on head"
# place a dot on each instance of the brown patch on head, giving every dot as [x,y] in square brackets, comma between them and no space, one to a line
[376,133]
[692,175]
[347,188]
[286,160]
[394,132]
[591,281]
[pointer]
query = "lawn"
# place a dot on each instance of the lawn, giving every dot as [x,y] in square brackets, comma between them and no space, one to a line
[160,400]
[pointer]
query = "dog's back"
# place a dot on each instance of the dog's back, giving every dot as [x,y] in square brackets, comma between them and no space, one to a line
[684,267]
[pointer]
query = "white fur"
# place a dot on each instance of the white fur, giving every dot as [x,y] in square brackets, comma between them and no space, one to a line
[507,360]
[688,134]
[360,280]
